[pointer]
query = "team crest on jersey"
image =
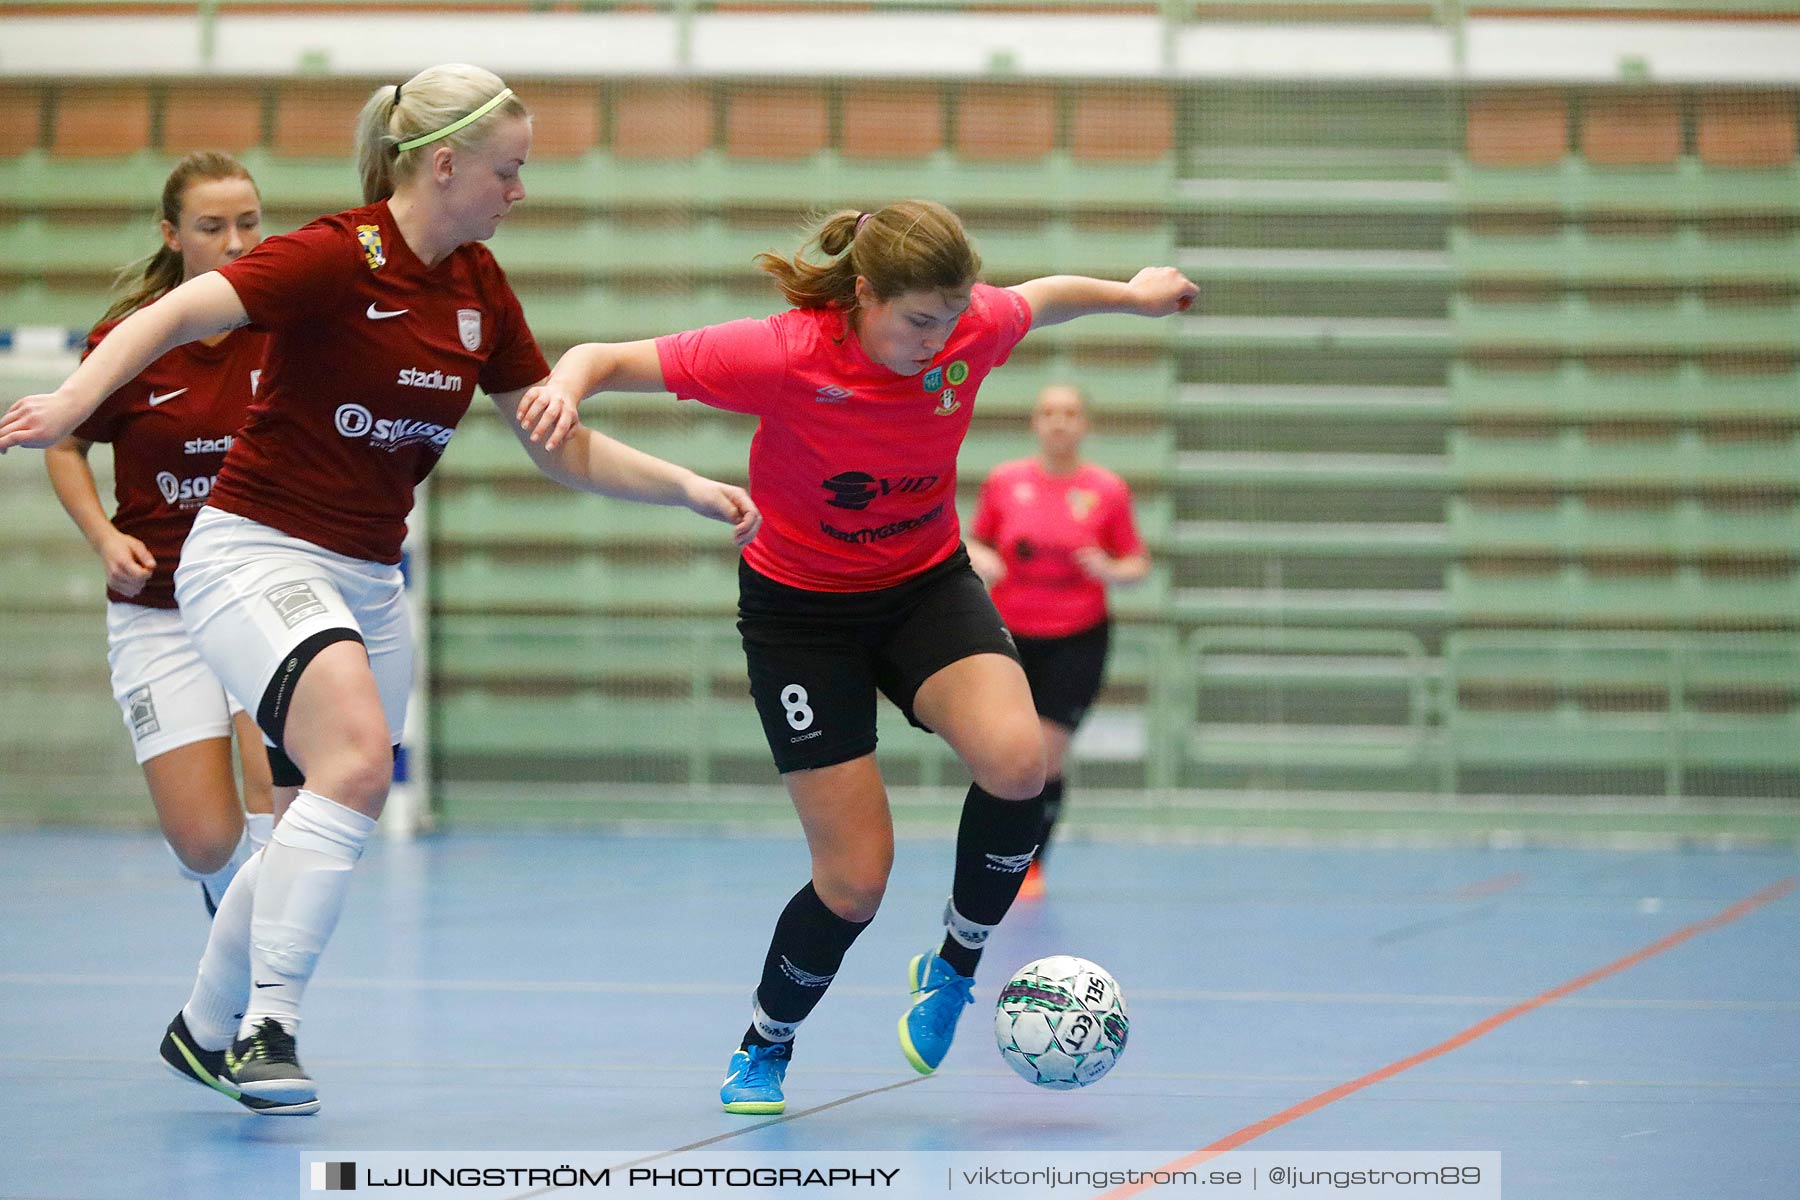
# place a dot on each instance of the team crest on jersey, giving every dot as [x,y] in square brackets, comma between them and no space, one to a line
[1082,502]
[947,403]
[468,327]
[934,379]
[370,237]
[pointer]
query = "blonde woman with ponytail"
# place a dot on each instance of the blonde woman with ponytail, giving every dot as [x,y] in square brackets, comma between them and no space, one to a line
[860,583]
[382,320]
[169,427]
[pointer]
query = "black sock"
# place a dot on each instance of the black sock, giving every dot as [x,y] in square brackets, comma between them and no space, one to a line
[805,952]
[1052,798]
[994,844]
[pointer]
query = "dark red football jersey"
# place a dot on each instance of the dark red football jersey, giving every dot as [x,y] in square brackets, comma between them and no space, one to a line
[170,428]
[373,359]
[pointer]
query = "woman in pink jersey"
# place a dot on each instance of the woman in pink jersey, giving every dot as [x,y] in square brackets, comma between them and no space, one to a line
[859,583]
[169,427]
[1051,534]
[382,320]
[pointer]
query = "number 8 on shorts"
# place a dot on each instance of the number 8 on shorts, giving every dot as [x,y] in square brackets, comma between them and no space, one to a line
[794,701]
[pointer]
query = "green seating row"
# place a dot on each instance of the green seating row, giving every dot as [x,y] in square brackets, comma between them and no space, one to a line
[698,653]
[1367,155]
[61,646]
[710,246]
[599,181]
[476,511]
[1219,264]
[54,717]
[477,581]
[1331,402]
[1402,608]
[1684,529]
[1363,662]
[1308,196]
[35,246]
[1384,337]
[1574,324]
[1576,187]
[1331,539]
[484,446]
[51,575]
[576,688]
[1200,468]
[1573,256]
[1573,594]
[1573,392]
[1141,385]
[1572,459]
[1576,718]
[35,303]
[591,312]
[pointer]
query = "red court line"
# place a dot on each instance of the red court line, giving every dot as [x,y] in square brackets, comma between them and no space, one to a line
[1748,904]
[1489,887]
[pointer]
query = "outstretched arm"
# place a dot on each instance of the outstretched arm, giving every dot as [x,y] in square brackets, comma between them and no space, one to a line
[1152,292]
[198,308]
[592,462]
[588,368]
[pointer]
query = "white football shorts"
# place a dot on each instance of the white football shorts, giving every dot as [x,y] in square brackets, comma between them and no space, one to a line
[168,695]
[252,597]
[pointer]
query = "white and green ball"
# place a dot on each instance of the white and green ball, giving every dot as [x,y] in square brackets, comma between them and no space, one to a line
[1061,1022]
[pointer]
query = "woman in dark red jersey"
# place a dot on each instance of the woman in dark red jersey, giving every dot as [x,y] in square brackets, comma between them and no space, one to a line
[382,320]
[170,427]
[858,582]
[1051,534]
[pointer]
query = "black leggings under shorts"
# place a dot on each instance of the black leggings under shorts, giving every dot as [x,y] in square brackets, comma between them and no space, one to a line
[817,659]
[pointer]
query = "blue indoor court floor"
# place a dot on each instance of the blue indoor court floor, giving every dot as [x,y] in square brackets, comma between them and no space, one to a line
[1616,1024]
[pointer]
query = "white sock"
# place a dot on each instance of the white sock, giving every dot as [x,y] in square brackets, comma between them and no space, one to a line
[216,882]
[216,1004]
[305,877]
[259,826]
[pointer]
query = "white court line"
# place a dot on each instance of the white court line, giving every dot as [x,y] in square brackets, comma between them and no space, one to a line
[1177,995]
[543,1074]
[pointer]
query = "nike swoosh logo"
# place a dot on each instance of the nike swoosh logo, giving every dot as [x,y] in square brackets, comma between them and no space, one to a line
[264,985]
[156,399]
[376,314]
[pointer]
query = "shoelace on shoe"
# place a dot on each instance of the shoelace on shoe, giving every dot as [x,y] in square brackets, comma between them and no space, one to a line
[271,1043]
[761,1069]
[943,1016]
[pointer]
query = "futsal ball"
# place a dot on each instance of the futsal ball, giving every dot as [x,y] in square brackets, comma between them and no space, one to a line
[1061,1022]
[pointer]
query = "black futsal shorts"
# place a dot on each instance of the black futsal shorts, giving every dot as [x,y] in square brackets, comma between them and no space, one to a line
[1065,673]
[817,658]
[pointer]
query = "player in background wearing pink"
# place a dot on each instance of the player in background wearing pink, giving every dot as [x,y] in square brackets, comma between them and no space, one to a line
[382,321]
[169,427]
[859,583]
[1051,534]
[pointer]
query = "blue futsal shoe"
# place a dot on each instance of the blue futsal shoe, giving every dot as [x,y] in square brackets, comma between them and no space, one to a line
[939,995]
[753,1080]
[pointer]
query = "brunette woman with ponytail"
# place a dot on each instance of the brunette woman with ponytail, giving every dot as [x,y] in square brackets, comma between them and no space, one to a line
[859,581]
[170,426]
